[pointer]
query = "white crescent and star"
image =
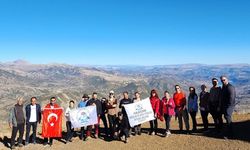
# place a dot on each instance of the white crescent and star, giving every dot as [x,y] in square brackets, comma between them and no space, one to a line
[52,115]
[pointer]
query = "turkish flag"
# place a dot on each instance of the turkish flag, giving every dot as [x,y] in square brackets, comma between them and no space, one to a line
[52,122]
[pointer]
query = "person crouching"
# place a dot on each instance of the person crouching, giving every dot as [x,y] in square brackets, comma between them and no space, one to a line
[122,127]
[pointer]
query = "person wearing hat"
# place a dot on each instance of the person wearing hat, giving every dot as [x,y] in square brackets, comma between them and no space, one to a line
[111,106]
[84,101]
[82,104]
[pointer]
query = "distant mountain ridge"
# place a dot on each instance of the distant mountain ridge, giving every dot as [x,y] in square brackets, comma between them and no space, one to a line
[70,82]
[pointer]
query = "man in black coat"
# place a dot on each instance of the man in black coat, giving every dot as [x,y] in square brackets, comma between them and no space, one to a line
[95,102]
[33,115]
[228,103]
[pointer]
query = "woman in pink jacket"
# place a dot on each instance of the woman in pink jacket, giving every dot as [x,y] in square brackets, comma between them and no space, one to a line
[168,111]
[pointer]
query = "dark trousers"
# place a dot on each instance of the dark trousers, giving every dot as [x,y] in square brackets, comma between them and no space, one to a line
[111,119]
[82,132]
[124,132]
[193,116]
[20,128]
[217,117]
[70,131]
[153,126]
[228,116]
[183,114]
[105,124]
[34,128]
[137,129]
[167,121]
[50,140]
[204,115]
[124,127]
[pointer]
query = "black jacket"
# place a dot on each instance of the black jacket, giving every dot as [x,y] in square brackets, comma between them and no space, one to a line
[124,102]
[98,104]
[228,95]
[38,113]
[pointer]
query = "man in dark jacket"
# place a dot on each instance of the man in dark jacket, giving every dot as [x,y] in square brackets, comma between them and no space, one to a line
[17,119]
[95,102]
[33,116]
[215,104]
[228,103]
[126,127]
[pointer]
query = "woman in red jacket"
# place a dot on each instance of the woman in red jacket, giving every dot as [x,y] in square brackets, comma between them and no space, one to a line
[168,108]
[155,103]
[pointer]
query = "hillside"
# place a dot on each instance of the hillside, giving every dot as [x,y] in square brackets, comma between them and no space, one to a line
[67,82]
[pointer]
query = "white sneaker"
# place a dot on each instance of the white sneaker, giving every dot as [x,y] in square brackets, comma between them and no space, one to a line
[169,133]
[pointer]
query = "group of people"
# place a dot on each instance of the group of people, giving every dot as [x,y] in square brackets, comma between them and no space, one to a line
[219,101]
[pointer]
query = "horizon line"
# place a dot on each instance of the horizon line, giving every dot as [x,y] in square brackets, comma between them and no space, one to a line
[23,61]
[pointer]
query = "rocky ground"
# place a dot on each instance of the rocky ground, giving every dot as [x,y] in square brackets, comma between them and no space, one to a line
[176,141]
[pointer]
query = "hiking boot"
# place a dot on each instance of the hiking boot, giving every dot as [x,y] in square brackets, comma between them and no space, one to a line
[95,136]
[126,140]
[20,145]
[87,138]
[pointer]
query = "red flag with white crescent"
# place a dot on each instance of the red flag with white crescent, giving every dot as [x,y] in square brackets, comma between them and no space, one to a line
[52,122]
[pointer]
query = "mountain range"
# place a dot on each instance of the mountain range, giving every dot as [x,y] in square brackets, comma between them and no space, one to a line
[70,82]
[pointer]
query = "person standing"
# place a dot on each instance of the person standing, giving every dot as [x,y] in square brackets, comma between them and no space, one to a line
[51,105]
[168,111]
[155,103]
[33,115]
[126,127]
[70,130]
[181,108]
[137,128]
[204,107]
[215,104]
[83,104]
[111,106]
[193,106]
[94,102]
[228,103]
[103,115]
[16,121]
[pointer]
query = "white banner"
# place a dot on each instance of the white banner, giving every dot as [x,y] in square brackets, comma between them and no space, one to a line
[139,112]
[83,117]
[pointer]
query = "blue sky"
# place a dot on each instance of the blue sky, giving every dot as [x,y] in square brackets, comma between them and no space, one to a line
[122,32]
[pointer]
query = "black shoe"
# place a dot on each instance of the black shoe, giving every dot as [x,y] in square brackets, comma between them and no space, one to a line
[126,140]
[44,144]
[165,134]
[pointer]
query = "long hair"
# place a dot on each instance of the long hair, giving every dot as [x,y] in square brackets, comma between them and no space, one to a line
[154,91]
[192,95]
